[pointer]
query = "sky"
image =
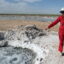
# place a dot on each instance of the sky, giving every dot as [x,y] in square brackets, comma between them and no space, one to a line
[31,6]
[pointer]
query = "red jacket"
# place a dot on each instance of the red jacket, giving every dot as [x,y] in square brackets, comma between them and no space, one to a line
[61,31]
[59,19]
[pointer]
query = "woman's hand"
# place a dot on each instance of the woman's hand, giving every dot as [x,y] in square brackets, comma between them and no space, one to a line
[46,28]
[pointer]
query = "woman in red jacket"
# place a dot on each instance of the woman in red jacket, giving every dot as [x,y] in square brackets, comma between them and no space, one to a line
[61,30]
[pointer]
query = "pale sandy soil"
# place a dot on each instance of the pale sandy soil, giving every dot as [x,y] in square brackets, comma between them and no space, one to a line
[10,24]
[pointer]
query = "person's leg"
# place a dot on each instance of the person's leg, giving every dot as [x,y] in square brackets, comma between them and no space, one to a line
[61,37]
[61,46]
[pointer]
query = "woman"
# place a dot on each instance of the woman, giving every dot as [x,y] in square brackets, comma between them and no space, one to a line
[61,30]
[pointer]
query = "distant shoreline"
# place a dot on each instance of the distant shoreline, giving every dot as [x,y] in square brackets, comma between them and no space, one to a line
[30,14]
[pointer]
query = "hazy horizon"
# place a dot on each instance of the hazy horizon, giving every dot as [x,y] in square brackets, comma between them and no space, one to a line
[25,14]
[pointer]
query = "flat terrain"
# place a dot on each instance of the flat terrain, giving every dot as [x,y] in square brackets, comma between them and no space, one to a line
[12,24]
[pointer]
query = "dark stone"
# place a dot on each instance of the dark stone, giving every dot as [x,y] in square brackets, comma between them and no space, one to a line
[1,36]
[41,59]
[6,44]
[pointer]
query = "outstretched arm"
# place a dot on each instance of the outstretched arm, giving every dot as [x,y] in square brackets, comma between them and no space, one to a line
[54,23]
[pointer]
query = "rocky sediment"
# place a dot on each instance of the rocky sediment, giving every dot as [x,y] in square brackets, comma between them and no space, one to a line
[28,45]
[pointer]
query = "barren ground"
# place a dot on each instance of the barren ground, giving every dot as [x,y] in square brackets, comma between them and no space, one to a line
[10,24]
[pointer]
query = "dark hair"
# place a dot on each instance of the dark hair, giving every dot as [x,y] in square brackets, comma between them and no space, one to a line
[61,11]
